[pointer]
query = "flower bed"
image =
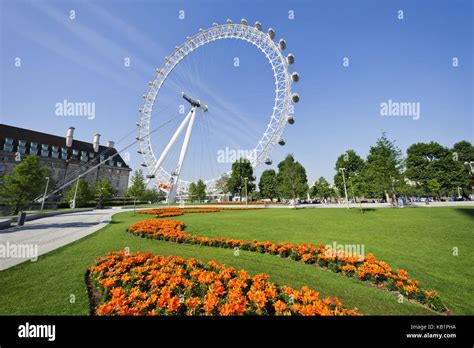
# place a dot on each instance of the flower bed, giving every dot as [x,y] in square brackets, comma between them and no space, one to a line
[365,268]
[146,284]
[170,212]
[241,203]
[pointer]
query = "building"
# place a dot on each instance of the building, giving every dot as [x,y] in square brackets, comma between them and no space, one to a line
[66,157]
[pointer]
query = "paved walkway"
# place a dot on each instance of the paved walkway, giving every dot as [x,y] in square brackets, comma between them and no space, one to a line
[44,235]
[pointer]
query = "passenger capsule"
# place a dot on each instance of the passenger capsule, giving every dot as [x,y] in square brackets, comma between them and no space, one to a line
[258,25]
[295,77]
[215,24]
[229,21]
[295,97]
[290,119]
[282,44]
[271,33]
[268,161]
[290,59]
[244,21]
[150,176]
[281,142]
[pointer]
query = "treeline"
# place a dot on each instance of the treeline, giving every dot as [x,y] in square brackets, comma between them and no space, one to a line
[289,182]
[427,170]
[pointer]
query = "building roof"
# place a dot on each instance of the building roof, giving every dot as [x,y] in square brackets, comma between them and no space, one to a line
[50,140]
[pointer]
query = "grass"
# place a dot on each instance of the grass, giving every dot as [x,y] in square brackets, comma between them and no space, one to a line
[419,240]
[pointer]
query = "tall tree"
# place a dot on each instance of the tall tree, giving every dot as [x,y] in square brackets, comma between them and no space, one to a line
[464,151]
[242,172]
[352,164]
[83,193]
[382,170]
[292,180]
[27,182]
[192,194]
[137,189]
[435,168]
[268,184]
[200,190]
[103,191]
[221,184]
[322,189]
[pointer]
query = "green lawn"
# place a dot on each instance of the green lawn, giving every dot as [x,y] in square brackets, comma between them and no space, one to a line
[417,239]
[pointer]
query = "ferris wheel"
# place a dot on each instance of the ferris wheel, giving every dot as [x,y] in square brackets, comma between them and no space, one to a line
[281,115]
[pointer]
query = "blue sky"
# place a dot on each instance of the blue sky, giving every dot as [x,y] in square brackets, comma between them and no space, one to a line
[407,60]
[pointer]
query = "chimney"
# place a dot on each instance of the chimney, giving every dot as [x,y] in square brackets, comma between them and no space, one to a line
[110,143]
[96,142]
[69,136]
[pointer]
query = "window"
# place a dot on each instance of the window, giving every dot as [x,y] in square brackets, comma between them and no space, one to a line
[33,145]
[119,164]
[9,141]
[44,153]
[44,147]
[33,151]
[75,152]
[55,154]
[21,149]
[55,148]
[2,170]
[7,147]
[22,143]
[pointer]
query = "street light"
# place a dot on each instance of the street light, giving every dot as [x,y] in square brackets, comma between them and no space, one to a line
[345,188]
[246,194]
[75,193]
[45,190]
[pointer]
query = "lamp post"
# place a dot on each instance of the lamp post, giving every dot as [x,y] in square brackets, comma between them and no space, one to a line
[246,194]
[345,188]
[45,190]
[75,192]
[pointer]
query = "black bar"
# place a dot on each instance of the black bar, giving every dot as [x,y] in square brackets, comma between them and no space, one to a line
[232,330]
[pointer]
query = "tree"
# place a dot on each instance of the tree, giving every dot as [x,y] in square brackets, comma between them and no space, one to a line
[154,195]
[464,150]
[435,168]
[27,182]
[200,190]
[434,187]
[321,189]
[268,184]
[137,189]
[103,191]
[352,164]
[84,194]
[221,184]
[197,191]
[291,177]
[192,192]
[382,169]
[242,172]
